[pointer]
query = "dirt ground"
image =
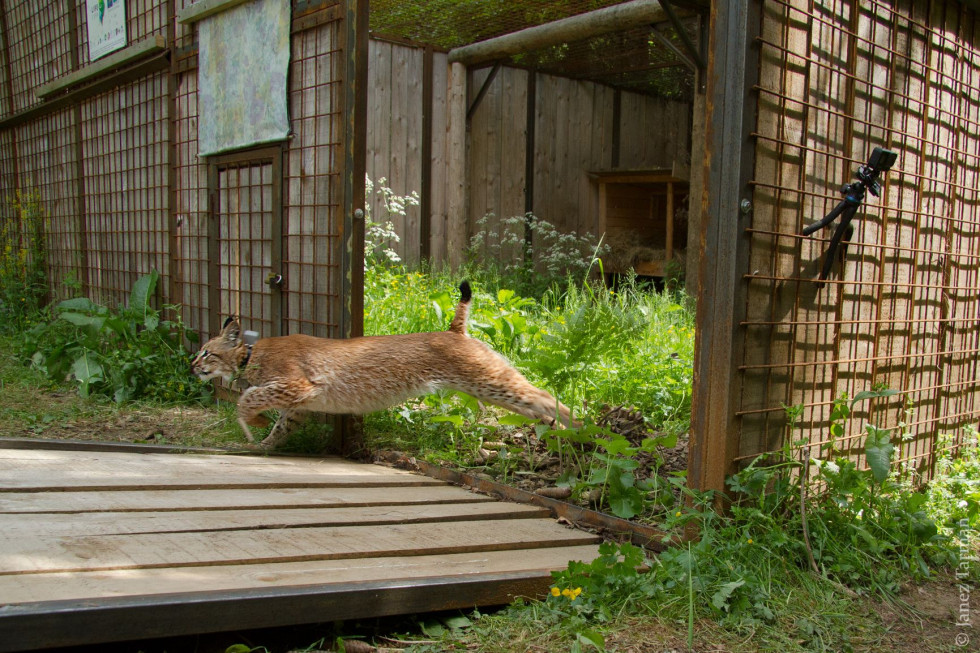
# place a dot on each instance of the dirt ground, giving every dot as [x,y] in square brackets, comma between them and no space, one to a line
[61,419]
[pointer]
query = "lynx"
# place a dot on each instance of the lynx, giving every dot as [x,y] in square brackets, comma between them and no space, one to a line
[299,373]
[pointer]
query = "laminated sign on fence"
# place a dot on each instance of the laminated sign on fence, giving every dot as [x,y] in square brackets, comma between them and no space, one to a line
[106,27]
[244,60]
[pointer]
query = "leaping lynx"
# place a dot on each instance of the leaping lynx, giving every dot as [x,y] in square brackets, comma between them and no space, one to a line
[299,373]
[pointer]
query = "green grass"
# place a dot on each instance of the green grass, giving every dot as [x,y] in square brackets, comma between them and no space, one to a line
[591,347]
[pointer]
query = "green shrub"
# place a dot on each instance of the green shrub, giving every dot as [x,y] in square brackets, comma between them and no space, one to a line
[129,353]
[23,261]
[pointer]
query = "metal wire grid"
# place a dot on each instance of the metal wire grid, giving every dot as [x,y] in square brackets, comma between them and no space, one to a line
[125,145]
[245,233]
[40,51]
[838,78]
[190,209]
[310,235]
[45,170]
[312,215]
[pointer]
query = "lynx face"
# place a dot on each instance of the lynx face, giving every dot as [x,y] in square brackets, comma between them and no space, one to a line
[300,373]
[220,357]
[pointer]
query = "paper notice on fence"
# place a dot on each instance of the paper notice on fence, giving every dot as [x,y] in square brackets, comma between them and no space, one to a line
[106,24]
[243,59]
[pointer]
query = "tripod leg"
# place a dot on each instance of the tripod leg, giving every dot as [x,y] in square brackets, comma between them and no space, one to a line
[839,234]
[842,206]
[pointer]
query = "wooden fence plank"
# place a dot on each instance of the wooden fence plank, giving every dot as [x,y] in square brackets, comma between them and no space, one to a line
[224,499]
[22,588]
[174,550]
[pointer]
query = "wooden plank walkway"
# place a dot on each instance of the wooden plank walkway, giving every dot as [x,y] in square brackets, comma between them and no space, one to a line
[100,546]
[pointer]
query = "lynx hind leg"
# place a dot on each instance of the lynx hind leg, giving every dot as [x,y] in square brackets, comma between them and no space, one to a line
[287,422]
[551,411]
[518,395]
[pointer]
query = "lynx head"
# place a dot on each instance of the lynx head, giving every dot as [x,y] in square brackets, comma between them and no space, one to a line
[221,356]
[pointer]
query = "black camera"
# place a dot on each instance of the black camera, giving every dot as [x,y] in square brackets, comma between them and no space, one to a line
[880,162]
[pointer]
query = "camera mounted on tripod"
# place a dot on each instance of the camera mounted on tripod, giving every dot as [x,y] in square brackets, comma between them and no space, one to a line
[880,162]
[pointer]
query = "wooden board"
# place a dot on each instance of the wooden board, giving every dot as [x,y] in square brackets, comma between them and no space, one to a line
[99,546]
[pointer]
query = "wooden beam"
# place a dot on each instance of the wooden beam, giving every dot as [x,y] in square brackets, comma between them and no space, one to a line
[144,48]
[575,28]
[456,165]
[201,10]
[53,624]
[727,207]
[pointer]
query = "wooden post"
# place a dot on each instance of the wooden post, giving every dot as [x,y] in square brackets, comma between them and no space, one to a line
[350,428]
[456,165]
[727,208]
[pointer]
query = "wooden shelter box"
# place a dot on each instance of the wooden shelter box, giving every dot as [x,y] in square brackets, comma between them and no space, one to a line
[643,217]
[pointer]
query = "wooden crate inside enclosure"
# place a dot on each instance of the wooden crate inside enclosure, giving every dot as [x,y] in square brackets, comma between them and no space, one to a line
[643,219]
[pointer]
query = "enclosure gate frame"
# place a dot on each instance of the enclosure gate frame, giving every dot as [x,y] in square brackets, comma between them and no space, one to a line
[730,106]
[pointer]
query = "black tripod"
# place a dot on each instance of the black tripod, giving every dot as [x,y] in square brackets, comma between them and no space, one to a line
[880,162]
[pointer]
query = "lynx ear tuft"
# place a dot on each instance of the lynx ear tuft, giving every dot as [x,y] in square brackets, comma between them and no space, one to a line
[232,329]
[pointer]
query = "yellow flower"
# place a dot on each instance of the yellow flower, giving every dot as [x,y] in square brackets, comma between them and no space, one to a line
[750,540]
[570,594]
[677,514]
[555,591]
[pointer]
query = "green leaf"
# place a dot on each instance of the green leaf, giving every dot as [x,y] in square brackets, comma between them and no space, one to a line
[455,420]
[469,401]
[82,320]
[513,419]
[625,502]
[872,394]
[432,628]
[86,367]
[459,622]
[591,638]
[668,441]
[504,296]
[923,527]
[878,450]
[87,370]
[78,304]
[616,446]
[721,597]
[139,297]
[239,648]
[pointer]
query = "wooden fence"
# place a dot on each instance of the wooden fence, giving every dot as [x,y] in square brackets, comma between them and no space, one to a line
[576,128]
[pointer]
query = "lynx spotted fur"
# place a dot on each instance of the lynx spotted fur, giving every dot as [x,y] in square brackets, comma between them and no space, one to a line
[299,373]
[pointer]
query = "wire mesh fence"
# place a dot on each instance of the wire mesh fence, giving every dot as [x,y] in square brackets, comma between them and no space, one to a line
[900,307]
[113,160]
